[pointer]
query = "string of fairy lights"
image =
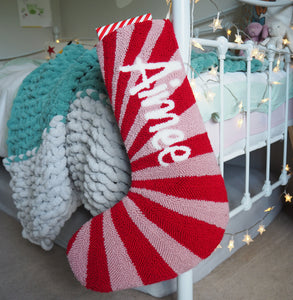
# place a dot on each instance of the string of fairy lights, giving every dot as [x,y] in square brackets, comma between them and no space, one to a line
[209,95]
[261,226]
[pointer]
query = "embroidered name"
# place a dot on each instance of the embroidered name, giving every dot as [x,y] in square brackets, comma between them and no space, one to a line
[159,96]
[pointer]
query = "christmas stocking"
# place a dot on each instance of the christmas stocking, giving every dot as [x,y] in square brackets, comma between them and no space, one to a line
[176,210]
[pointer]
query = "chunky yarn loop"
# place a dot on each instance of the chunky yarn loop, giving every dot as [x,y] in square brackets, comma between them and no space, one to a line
[47,92]
[176,209]
[64,145]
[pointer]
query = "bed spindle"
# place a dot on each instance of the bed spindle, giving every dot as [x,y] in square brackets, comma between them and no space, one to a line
[284,177]
[267,185]
[222,50]
[246,200]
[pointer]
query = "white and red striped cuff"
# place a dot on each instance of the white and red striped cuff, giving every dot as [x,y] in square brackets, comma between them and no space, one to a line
[104,30]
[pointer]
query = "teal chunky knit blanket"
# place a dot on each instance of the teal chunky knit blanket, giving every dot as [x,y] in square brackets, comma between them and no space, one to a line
[202,62]
[64,147]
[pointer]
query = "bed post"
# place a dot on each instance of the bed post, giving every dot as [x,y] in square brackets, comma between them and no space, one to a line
[181,23]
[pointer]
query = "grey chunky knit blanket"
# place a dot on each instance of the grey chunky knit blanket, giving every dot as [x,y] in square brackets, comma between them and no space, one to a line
[64,146]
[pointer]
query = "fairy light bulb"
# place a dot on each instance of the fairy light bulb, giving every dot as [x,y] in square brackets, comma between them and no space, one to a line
[231,244]
[286,42]
[240,106]
[240,122]
[287,168]
[238,38]
[254,52]
[229,31]
[277,67]
[192,83]
[197,45]
[269,209]
[213,71]
[276,82]
[288,198]
[210,96]
[197,95]
[261,229]
[247,238]
[265,100]
[216,23]
[260,56]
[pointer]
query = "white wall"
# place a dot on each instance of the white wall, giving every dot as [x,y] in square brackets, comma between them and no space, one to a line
[206,10]
[96,13]
[81,17]
[15,40]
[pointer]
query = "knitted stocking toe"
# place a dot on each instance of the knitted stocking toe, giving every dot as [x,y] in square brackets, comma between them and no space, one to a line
[176,210]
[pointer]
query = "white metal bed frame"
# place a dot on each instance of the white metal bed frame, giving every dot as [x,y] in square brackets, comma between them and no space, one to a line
[181,22]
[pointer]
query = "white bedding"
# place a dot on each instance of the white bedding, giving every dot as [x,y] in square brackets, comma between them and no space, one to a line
[234,136]
[11,76]
[13,73]
[235,92]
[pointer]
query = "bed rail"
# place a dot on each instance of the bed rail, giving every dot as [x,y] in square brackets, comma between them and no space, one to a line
[222,45]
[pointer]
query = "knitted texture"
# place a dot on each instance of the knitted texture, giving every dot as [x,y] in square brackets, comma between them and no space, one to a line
[41,187]
[176,210]
[96,156]
[48,91]
[63,143]
[202,62]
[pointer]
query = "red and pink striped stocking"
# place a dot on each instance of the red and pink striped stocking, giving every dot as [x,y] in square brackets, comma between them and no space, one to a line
[176,210]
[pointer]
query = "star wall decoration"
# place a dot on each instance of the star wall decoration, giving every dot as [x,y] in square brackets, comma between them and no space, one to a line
[51,50]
